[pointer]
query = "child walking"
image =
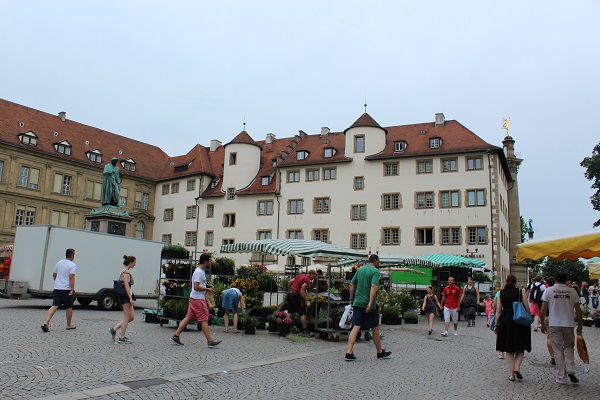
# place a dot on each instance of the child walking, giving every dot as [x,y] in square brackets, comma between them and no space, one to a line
[488,309]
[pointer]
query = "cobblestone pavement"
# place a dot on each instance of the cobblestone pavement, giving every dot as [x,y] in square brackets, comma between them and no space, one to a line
[84,363]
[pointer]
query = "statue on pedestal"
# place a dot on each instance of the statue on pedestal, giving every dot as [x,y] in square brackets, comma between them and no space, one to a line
[112,184]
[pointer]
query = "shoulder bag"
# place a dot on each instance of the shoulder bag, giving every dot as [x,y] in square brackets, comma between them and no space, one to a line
[520,314]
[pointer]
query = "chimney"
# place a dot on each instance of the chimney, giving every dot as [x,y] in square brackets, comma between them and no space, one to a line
[63,116]
[325,131]
[214,145]
[270,138]
[301,133]
[439,119]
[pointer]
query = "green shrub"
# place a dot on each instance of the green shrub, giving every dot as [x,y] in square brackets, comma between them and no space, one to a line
[267,283]
[284,284]
[390,312]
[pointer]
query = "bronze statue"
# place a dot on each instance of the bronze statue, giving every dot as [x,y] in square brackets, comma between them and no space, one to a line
[112,184]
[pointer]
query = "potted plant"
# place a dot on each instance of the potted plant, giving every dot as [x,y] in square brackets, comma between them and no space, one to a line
[182,271]
[180,307]
[391,315]
[168,271]
[250,325]
[175,251]
[272,323]
[411,317]
[284,323]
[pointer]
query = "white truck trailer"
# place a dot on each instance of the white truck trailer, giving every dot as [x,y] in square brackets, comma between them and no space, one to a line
[99,259]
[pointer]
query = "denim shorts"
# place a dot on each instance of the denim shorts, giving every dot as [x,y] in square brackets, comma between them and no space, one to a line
[60,297]
[364,319]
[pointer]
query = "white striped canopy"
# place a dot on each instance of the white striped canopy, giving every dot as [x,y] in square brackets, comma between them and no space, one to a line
[399,260]
[6,248]
[451,260]
[294,247]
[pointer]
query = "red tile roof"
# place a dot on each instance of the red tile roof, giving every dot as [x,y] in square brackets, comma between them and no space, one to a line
[243,137]
[364,120]
[315,145]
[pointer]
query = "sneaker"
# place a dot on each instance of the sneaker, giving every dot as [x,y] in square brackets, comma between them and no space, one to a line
[455,333]
[350,357]
[125,338]
[175,339]
[560,382]
[430,332]
[214,343]
[113,333]
[122,341]
[384,354]
[445,333]
[572,377]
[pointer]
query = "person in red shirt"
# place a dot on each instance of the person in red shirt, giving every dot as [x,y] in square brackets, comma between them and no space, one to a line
[297,296]
[450,296]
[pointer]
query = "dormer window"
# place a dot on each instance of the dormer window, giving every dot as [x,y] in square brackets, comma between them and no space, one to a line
[435,143]
[94,155]
[328,152]
[213,185]
[63,147]
[301,155]
[129,164]
[264,181]
[274,163]
[29,138]
[400,146]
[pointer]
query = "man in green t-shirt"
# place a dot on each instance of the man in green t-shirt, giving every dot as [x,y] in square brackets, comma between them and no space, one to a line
[363,291]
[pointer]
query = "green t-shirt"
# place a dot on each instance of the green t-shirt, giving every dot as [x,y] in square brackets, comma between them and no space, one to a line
[364,277]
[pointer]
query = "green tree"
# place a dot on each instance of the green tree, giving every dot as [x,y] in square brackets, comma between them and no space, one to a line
[592,173]
[576,270]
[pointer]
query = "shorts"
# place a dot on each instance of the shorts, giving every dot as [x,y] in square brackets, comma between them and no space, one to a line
[295,304]
[364,319]
[197,310]
[61,297]
[125,299]
[534,309]
[430,310]
[450,314]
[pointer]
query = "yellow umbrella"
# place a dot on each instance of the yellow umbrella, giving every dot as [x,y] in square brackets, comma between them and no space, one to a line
[572,247]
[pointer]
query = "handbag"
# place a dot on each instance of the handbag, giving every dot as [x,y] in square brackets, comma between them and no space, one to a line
[520,314]
[119,288]
[582,350]
[346,320]
[209,297]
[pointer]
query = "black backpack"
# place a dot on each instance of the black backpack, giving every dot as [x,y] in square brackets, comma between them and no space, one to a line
[535,294]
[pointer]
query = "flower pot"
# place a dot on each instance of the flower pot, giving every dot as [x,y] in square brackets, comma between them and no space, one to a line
[283,329]
[250,329]
[182,273]
[186,292]
[169,273]
[179,292]
[273,327]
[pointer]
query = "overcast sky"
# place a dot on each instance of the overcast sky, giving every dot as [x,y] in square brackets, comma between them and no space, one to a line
[177,73]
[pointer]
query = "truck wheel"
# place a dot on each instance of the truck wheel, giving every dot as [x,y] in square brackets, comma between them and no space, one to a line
[84,301]
[107,301]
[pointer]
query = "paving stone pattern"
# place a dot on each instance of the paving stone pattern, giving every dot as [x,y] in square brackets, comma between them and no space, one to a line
[85,364]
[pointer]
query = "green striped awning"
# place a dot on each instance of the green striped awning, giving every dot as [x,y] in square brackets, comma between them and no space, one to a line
[451,260]
[398,260]
[294,247]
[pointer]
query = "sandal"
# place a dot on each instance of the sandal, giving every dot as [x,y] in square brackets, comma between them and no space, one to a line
[226,330]
[45,328]
[518,375]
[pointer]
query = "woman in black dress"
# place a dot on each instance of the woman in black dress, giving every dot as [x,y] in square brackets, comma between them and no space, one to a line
[469,301]
[512,338]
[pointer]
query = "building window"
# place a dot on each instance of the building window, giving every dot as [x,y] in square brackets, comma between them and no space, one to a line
[1,169]
[210,210]
[209,238]
[63,148]
[165,189]
[93,190]
[167,238]
[450,198]
[295,234]
[474,163]
[358,212]
[400,146]
[175,187]
[449,165]
[476,198]
[328,152]
[62,184]
[191,212]
[391,236]
[391,201]
[435,143]
[232,158]
[450,236]
[301,155]
[141,200]
[390,169]
[190,238]
[359,144]
[424,236]
[228,241]
[261,235]
[29,177]
[213,185]
[322,205]
[28,138]
[123,196]
[264,181]
[59,218]
[321,235]
[191,185]
[265,207]
[129,165]
[359,182]
[94,155]
[230,193]
[312,175]
[139,230]
[477,235]
[329,174]
[293,176]
[424,167]
[25,215]
[358,240]
[424,199]
[168,214]
[229,220]
[295,206]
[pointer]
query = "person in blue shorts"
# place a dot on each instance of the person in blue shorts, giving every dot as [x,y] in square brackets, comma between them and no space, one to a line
[232,298]
[64,289]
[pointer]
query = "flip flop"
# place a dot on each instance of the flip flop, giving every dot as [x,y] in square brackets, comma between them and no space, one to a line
[226,331]
[236,331]
[71,327]
[45,328]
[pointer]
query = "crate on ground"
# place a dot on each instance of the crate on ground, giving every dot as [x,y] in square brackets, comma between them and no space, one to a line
[150,316]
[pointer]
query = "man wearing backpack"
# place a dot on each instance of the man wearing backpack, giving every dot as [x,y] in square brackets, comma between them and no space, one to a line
[535,300]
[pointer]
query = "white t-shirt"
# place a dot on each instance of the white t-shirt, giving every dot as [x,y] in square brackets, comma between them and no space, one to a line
[561,302]
[198,276]
[63,269]
[594,292]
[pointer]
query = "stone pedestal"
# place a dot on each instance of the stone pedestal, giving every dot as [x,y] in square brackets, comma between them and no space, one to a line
[109,219]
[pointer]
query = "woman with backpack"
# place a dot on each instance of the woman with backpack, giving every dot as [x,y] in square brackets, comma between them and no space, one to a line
[535,300]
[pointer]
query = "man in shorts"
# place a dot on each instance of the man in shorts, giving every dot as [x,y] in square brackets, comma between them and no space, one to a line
[197,309]
[363,292]
[297,296]
[450,296]
[64,289]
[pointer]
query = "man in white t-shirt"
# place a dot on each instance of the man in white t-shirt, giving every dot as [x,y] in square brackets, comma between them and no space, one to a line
[64,289]
[197,309]
[560,301]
